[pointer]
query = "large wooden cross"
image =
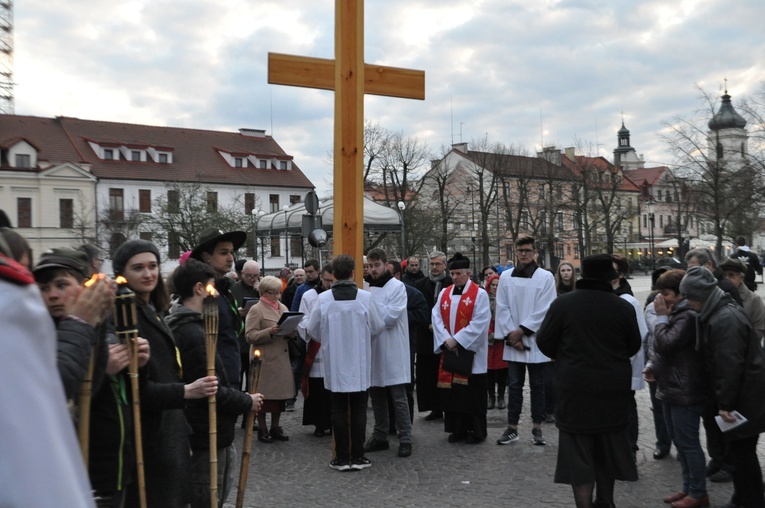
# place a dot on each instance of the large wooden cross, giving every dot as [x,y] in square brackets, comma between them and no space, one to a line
[350,78]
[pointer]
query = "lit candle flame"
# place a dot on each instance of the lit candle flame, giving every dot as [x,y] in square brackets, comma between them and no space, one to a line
[256,354]
[211,290]
[120,280]
[96,277]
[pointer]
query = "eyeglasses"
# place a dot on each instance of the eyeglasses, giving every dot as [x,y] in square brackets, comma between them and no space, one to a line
[251,275]
[524,251]
[273,292]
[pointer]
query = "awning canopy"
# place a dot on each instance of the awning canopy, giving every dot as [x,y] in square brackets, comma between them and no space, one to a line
[377,217]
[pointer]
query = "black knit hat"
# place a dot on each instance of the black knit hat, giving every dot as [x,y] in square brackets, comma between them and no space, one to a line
[458,262]
[211,237]
[63,257]
[129,249]
[599,267]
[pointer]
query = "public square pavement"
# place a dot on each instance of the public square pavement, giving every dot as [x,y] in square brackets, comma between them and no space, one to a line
[297,472]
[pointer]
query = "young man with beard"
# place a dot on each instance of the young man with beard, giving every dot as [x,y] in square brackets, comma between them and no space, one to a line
[390,357]
[217,249]
[461,325]
[427,362]
[412,275]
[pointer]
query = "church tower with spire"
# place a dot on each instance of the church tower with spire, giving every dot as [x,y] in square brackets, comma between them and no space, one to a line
[624,154]
[728,139]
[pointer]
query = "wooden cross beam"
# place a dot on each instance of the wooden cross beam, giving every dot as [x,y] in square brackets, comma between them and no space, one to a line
[350,78]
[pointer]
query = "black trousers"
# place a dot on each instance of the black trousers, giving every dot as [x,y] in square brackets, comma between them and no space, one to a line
[349,424]
[747,476]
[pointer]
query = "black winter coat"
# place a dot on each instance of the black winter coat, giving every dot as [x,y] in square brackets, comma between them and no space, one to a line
[591,333]
[677,365]
[163,424]
[735,361]
[188,328]
[428,289]
[75,341]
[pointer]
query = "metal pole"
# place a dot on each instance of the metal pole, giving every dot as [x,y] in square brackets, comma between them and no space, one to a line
[651,219]
[286,239]
[401,207]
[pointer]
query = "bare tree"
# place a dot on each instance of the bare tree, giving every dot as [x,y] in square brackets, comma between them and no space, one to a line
[728,187]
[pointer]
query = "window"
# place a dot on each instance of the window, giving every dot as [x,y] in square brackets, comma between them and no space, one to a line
[135,156]
[144,200]
[66,213]
[24,212]
[263,164]
[115,240]
[173,246]
[212,202]
[23,160]
[559,251]
[645,220]
[542,191]
[561,221]
[296,246]
[249,202]
[276,245]
[145,235]
[294,198]
[163,158]
[108,154]
[173,201]
[273,201]
[525,220]
[576,251]
[238,162]
[661,221]
[568,249]
[282,164]
[658,195]
[117,204]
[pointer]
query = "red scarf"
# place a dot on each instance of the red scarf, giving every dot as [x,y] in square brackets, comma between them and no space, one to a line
[465,309]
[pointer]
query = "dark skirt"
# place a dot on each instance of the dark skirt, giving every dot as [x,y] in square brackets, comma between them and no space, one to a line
[464,406]
[317,407]
[273,406]
[580,456]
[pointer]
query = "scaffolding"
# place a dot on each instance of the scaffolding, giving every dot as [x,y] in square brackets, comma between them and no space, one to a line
[6,57]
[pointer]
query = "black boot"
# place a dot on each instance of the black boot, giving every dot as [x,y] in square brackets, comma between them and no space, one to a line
[490,405]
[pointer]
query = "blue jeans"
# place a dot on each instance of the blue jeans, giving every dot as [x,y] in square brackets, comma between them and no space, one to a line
[516,375]
[683,426]
[663,441]
[379,397]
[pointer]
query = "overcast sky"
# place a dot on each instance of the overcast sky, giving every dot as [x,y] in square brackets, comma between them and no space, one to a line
[519,72]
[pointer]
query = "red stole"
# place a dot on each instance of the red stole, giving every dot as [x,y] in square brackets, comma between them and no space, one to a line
[313,349]
[465,309]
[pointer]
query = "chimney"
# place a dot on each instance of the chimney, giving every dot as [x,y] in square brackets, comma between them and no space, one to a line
[570,155]
[462,147]
[253,133]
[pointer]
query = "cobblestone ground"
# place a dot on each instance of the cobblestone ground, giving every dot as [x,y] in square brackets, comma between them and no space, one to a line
[297,473]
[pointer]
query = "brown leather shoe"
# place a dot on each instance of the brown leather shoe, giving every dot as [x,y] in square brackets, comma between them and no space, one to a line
[691,502]
[677,496]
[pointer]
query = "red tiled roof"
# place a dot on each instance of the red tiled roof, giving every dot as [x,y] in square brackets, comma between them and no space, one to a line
[649,176]
[195,152]
[602,164]
[518,165]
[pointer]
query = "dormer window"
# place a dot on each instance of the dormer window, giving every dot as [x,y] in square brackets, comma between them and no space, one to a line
[282,164]
[135,155]
[108,154]
[23,160]
[163,158]
[238,162]
[263,164]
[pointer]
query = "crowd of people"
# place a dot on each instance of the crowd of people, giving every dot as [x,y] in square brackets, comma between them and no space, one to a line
[438,340]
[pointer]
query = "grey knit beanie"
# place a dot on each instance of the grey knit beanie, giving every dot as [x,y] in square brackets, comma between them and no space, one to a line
[129,249]
[698,283]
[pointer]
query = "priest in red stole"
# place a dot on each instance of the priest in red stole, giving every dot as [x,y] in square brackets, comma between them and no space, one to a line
[461,319]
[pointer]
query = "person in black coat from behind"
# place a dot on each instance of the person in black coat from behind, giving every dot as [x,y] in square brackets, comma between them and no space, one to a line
[163,393]
[591,334]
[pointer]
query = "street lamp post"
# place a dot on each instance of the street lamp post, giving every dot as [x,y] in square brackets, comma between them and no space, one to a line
[472,223]
[258,214]
[652,219]
[286,238]
[401,207]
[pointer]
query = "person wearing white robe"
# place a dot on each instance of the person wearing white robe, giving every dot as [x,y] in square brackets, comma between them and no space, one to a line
[390,357]
[523,298]
[464,406]
[344,320]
